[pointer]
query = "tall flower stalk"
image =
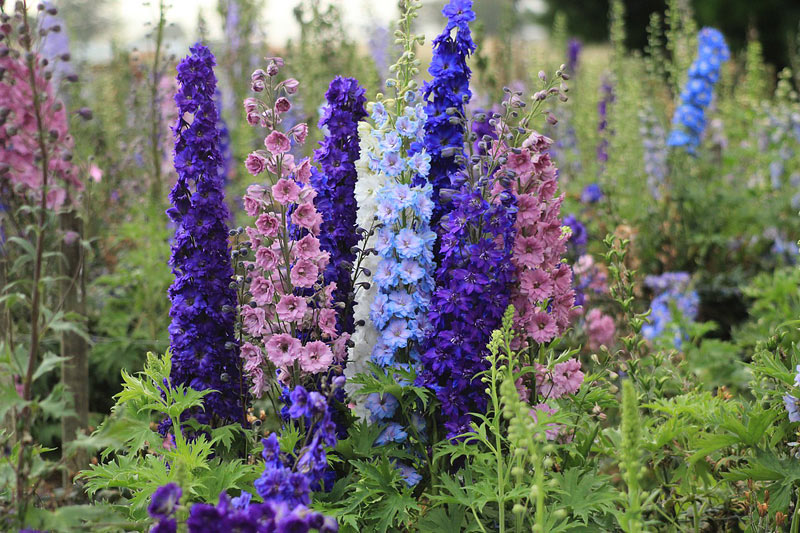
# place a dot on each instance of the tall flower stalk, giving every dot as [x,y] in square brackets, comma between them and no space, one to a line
[395,201]
[689,120]
[290,320]
[205,353]
[335,186]
[446,95]
[35,169]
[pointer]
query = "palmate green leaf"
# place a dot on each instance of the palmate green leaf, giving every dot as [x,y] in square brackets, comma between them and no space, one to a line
[447,519]
[585,494]
[359,441]
[181,398]
[710,443]
[766,466]
[225,435]
[395,510]
[195,455]
[223,476]
[127,472]
[137,391]
[56,404]
[49,363]
[385,381]
[80,518]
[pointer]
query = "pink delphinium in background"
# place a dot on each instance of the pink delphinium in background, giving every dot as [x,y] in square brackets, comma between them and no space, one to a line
[289,300]
[18,151]
[600,329]
[553,430]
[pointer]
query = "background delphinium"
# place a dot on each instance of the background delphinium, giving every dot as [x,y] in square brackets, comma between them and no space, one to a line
[204,348]
[654,142]
[41,192]
[672,294]
[689,117]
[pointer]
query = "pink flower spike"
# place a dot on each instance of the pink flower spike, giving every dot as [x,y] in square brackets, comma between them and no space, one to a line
[277,143]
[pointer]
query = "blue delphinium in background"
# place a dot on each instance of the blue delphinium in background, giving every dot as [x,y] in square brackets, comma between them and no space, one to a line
[204,350]
[654,143]
[574,47]
[579,238]
[591,194]
[449,89]
[689,119]
[55,43]
[672,292]
[335,185]
[607,98]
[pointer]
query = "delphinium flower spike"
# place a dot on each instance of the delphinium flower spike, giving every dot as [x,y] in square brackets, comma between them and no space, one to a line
[446,96]
[205,354]
[335,186]
[689,119]
[293,351]
[289,321]
[395,204]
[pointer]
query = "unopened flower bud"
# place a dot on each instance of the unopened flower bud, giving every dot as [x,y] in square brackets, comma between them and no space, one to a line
[85,113]
[290,85]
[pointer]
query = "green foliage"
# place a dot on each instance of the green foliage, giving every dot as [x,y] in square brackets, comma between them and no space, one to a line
[322,52]
[137,459]
[129,308]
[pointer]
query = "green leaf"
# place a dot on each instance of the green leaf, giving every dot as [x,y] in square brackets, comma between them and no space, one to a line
[49,362]
[585,494]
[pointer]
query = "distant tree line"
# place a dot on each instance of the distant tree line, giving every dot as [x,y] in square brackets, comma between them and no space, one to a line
[773,22]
